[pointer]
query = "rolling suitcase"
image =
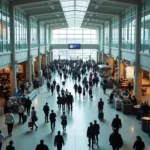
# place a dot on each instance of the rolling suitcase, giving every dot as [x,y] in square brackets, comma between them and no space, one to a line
[24,117]
[101,115]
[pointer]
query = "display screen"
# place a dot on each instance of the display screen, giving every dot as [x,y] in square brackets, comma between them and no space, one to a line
[74,46]
[129,72]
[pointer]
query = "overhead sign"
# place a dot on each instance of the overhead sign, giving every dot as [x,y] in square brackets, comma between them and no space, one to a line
[74,46]
[129,72]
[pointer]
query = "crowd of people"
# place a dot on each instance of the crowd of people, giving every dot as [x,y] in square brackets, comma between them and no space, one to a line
[77,70]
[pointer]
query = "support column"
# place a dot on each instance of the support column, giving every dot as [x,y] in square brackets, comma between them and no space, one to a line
[138,71]
[29,72]
[45,39]
[13,70]
[98,56]
[103,45]
[39,55]
[51,55]
[110,33]
[119,45]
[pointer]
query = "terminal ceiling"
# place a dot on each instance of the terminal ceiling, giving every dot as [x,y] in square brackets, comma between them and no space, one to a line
[74,13]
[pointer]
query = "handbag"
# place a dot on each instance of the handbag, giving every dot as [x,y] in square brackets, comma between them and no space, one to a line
[30,124]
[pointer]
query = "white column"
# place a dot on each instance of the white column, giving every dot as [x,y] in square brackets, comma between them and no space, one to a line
[103,45]
[29,61]
[13,72]
[119,45]
[39,55]
[110,33]
[138,71]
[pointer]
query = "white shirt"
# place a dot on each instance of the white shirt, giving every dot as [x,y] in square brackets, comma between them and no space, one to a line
[21,109]
[1,137]
[9,118]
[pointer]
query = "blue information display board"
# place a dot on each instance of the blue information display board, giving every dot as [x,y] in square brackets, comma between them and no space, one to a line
[74,46]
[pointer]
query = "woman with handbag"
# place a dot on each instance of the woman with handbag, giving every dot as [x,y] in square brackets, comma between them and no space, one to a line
[34,118]
[64,121]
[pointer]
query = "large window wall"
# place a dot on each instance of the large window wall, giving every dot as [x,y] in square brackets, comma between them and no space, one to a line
[145,27]
[42,38]
[115,32]
[75,35]
[4,27]
[20,30]
[83,54]
[34,34]
[106,34]
[128,29]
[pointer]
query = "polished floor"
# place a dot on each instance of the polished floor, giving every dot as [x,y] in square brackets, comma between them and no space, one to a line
[84,111]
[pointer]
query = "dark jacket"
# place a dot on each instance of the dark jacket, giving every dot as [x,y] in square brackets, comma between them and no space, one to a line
[42,147]
[52,117]
[90,131]
[59,141]
[115,140]
[139,145]
[96,129]
[9,147]
[46,109]
[116,123]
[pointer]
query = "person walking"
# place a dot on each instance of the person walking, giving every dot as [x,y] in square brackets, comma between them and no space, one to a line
[96,128]
[64,121]
[52,88]
[59,101]
[52,119]
[28,105]
[21,112]
[34,118]
[100,105]
[46,112]
[42,146]
[48,86]
[75,88]
[115,140]
[1,139]
[90,135]
[9,120]
[90,92]
[70,102]
[139,144]
[10,146]
[59,141]
[58,88]
[116,123]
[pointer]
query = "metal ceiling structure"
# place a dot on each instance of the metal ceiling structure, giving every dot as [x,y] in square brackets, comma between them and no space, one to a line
[74,13]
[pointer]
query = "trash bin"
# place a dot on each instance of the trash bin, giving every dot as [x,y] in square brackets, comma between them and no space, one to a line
[118,105]
[145,124]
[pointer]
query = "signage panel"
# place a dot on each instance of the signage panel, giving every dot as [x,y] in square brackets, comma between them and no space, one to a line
[74,46]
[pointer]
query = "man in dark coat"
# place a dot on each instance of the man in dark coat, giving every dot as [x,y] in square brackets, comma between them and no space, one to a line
[59,141]
[70,102]
[52,119]
[58,88]
[10,146]
[42,146]
[90,135]
[52,88]
[46,112]
[96,128]
[115,140]
[116,123]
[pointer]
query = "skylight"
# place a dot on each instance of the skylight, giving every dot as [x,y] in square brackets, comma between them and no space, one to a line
[74,11]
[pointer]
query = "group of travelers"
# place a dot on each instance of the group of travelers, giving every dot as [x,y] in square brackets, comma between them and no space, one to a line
[77,70]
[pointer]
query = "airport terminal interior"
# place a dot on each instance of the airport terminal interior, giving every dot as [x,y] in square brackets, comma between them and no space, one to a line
[70,54]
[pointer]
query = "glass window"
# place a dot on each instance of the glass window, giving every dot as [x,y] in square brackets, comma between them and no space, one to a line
[77,35]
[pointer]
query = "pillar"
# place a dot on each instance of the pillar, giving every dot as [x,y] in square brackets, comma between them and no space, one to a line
[138,71]
[45,55]
[103,45]
[13,71]
[39,54]
[29,72]
[51,56]
[119,45]
[59,57]
[98,56]
[110,33]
